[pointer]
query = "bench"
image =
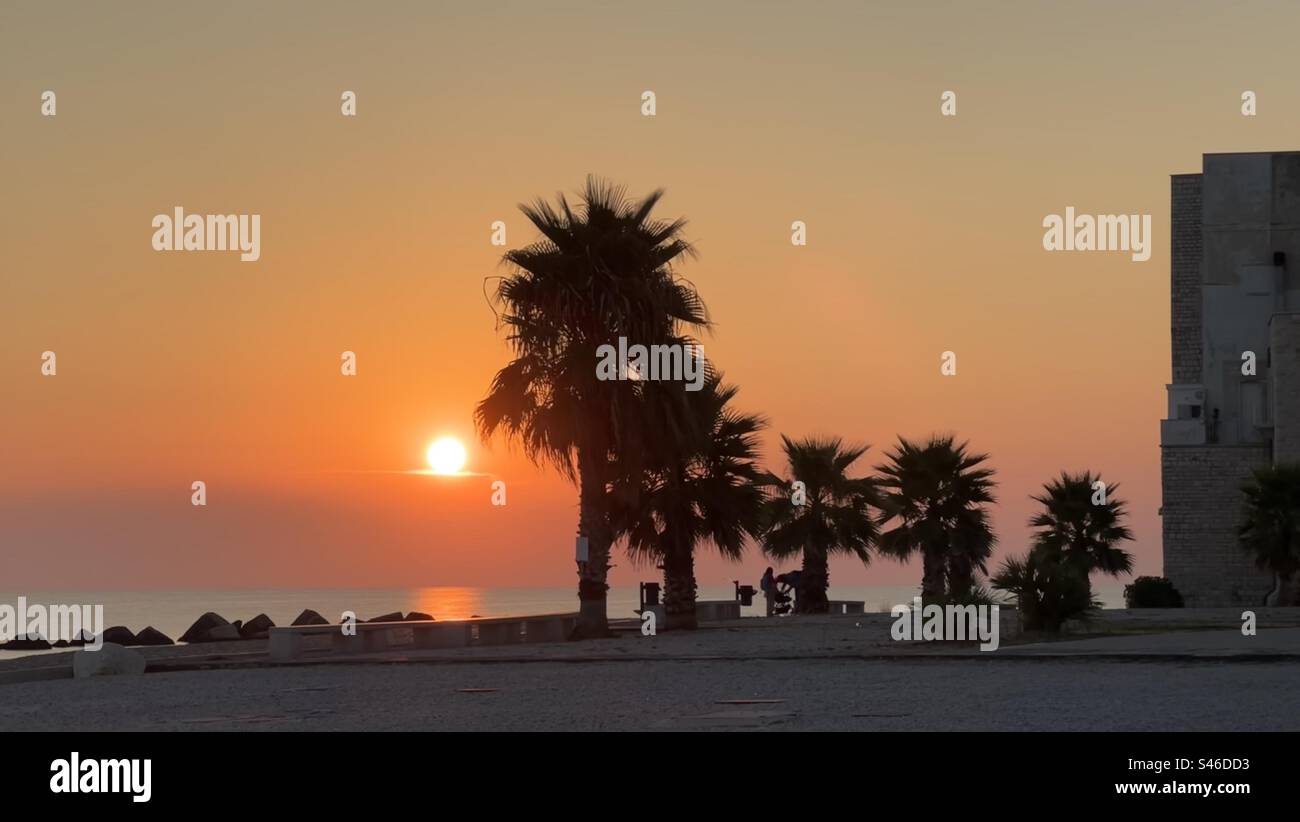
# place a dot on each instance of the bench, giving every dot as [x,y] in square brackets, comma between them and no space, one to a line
[288,643]
[845,606]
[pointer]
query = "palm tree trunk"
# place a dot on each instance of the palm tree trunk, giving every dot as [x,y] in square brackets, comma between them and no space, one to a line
[1083,568]
[593,523]
[679,590]
[813,582]
[933,569]
[961,576]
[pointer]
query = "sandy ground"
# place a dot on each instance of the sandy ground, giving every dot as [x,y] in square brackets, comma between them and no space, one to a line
[811,674]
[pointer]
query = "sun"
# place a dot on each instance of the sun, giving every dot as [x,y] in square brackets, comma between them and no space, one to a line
[446,456]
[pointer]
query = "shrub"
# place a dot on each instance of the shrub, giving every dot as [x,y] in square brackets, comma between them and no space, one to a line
[1152,592]
[1047,591]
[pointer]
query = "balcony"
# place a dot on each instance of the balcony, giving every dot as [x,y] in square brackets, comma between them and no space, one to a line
[1183,432]
[1186,423]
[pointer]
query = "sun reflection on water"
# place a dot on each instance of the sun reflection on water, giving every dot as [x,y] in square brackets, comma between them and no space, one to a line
[449,602]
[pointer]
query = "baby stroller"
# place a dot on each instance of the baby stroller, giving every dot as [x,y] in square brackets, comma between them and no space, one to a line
[781,603]
[779,590]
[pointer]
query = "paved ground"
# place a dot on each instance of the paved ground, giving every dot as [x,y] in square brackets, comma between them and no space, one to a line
[1272,642]
[818,673]
[826,694]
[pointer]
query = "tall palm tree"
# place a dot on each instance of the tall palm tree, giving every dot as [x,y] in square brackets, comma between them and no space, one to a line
[935,498]
[696,484]
[603,269]
[1085,534]
[1270,528]
[835,515]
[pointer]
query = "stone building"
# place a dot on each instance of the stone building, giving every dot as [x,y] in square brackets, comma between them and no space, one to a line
[1235,296]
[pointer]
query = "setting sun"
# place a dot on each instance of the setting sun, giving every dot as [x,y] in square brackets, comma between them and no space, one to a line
[446,456]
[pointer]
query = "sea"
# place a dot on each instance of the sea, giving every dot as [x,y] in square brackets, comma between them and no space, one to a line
[172,612]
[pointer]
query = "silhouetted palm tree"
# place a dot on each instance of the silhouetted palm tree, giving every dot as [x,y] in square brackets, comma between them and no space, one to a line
[600,271]
[835,515]
[1083,524]
[695,484]
[1270,528]
[935,496]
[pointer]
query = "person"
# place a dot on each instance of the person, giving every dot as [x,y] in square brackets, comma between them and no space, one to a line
[778,599]
[767,585]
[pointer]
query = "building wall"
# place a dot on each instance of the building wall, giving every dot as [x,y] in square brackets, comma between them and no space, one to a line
[1228,295]
[1200,514]
[1250,213]
[1185,277]
[1284,355]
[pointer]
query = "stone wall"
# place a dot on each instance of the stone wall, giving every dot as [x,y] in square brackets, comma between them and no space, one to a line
[1201,510]
[1284,356]
[1185,277]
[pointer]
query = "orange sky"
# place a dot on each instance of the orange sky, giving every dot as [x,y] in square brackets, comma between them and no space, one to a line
[924,236]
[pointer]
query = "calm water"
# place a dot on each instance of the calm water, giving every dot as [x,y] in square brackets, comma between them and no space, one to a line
[172,612]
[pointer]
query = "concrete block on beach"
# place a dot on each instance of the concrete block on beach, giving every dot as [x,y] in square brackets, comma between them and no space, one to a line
[221,633]
[210,628]
[309,617]
[119,635]
[110,660]
[150,636]
[30,644]
[257,627]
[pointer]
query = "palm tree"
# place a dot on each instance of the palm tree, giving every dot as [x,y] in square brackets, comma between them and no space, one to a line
[601,271]
[834,517]
[694,483]
[1047,591]
[935,497]
[1083,532]
[1270,528]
